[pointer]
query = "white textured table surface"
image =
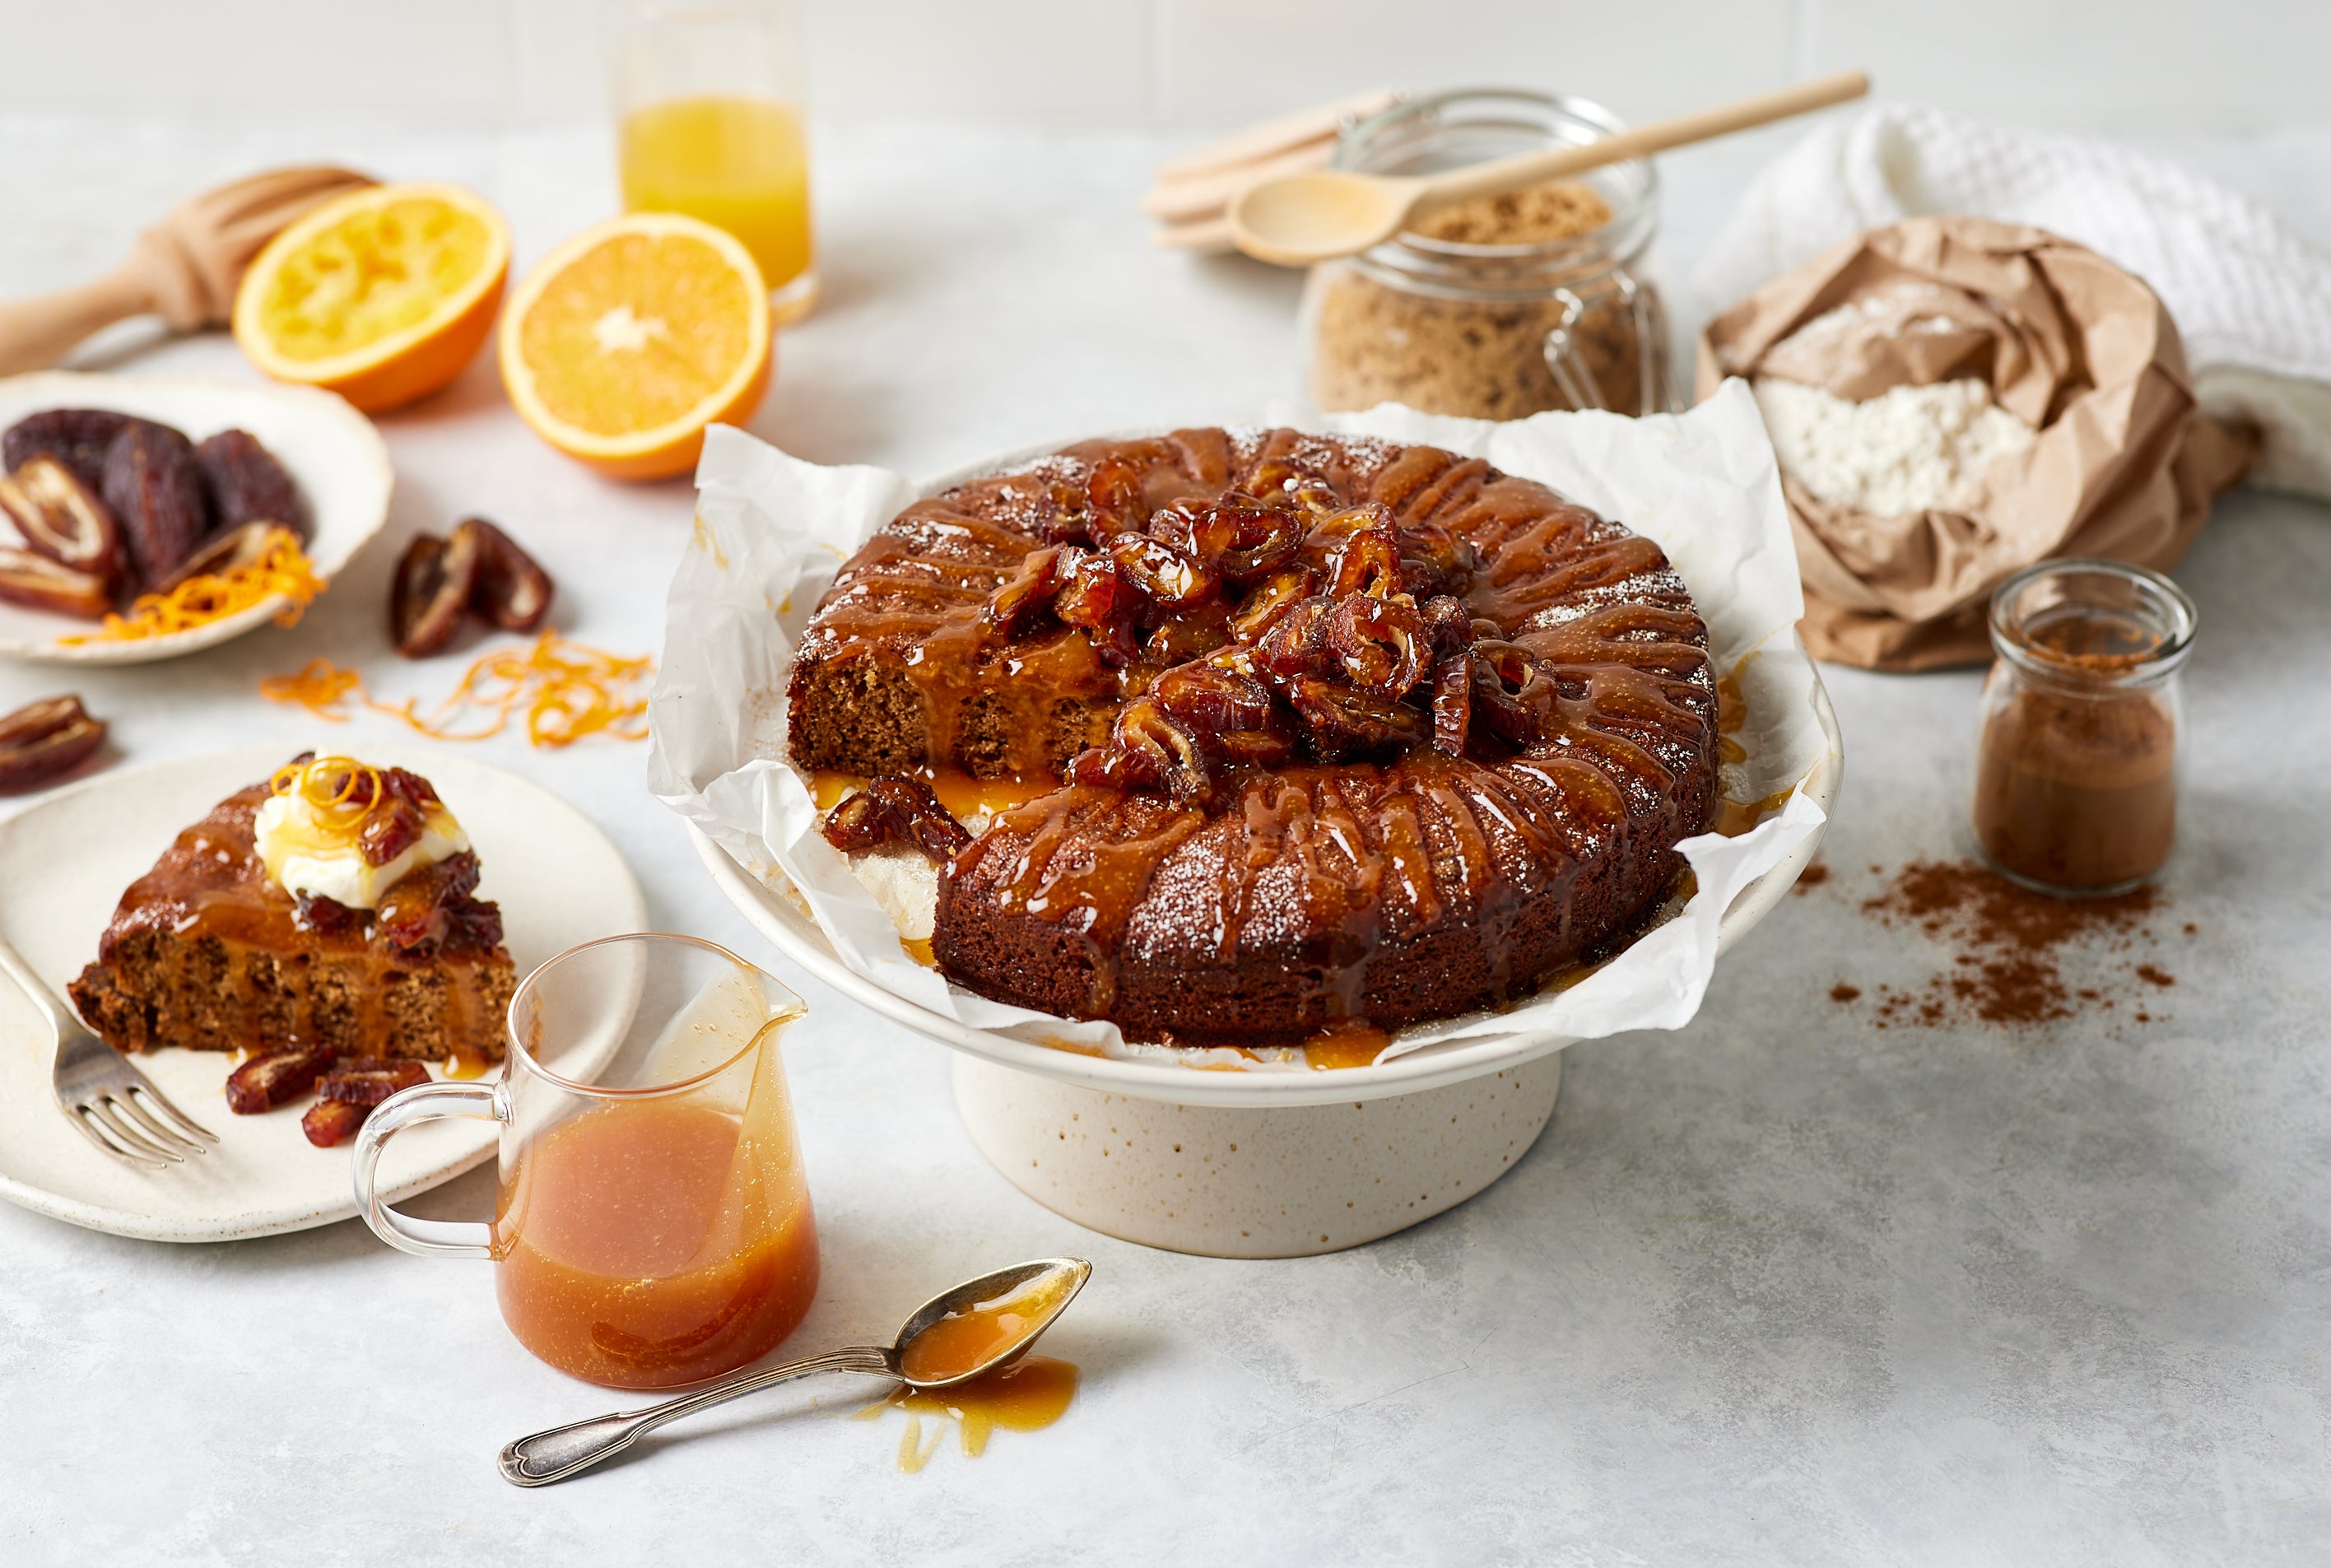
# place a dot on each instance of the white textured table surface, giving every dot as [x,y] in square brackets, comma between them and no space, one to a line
[1775,1288]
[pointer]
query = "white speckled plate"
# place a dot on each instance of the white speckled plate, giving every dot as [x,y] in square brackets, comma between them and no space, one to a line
[332,453]
[64,863]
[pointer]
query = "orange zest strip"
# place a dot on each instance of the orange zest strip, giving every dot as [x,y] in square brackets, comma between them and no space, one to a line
[334,785]
[566,690]
[283,569]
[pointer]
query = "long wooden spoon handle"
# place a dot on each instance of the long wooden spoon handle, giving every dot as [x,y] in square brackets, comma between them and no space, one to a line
[37,333]
[1536,167]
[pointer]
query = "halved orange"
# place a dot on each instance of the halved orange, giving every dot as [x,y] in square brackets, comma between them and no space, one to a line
[383,295]
[625,342]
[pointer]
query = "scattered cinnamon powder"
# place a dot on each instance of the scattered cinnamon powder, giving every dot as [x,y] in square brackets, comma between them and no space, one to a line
[1843,993]
[1811,877]
[2007,946]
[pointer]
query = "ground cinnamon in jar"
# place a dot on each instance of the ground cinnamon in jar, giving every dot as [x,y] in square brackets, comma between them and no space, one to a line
[2075,780]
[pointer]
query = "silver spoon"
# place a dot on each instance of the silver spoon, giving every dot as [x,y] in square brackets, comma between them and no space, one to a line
[563,1451]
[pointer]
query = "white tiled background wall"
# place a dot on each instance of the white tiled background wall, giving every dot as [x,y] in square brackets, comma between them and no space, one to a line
[2129,66]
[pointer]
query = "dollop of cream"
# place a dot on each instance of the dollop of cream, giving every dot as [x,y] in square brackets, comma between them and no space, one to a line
[308,854]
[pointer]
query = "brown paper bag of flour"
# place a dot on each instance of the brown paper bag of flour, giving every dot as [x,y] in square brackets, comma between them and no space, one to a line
[2123,466]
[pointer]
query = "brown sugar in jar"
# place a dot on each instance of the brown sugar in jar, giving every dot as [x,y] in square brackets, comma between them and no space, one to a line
[1496,307]
[2075,771]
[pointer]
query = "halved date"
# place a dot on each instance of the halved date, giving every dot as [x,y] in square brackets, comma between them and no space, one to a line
[155,492]
[273,1077]
[228,552]
[511,589]
[931,826]
[895,810]
[38,583]
[247,485]
[330,1122]
[1343,724]
[366,1080]
[77,437]
[858,822]
[63,519]
[434,584]
[43,739]
[416,911]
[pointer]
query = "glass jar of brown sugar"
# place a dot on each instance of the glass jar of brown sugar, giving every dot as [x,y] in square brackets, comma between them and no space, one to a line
[1498,307]
[2076,771]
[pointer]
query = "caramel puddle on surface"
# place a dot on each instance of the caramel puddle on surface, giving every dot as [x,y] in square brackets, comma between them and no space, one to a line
[1027,1396]
[1345,1046]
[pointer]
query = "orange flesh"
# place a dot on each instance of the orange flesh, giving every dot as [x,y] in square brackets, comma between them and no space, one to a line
[962,1341]
[649,1244]
[381,270]
[618,372]
[1027,1396]
[739,164]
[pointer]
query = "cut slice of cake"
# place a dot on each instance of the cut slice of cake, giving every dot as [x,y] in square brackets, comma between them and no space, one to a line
[327,909]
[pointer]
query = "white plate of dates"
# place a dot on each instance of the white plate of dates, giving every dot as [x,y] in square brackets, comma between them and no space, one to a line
[119,485]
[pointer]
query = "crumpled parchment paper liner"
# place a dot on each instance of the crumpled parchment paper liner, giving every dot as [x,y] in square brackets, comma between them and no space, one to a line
[772,530]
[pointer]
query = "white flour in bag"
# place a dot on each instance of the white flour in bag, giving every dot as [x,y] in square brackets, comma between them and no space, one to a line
[1914,449]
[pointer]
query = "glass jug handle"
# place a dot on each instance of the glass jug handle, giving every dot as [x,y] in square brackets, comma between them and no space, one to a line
[423,1103]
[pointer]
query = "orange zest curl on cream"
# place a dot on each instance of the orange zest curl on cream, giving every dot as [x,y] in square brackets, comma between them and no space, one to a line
[564,689]
[330,784]
[283,570]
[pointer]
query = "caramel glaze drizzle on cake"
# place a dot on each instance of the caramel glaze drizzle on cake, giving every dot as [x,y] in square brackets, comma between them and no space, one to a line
[206,952]
[1347,731]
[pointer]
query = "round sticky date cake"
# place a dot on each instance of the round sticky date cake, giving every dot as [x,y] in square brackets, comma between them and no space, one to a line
[1320,731]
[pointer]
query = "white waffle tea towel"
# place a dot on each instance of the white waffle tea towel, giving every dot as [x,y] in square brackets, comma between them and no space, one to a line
[2251,297]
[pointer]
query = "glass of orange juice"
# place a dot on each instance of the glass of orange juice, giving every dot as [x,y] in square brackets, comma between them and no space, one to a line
[708,101]
[653,1224]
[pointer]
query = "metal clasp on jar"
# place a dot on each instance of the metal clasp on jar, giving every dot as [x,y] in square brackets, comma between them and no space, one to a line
[1656,387]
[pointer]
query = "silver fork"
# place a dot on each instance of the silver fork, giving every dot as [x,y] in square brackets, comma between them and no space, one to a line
[100,1092]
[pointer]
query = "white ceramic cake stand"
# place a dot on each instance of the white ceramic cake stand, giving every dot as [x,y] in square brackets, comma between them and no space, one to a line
[1243,1165]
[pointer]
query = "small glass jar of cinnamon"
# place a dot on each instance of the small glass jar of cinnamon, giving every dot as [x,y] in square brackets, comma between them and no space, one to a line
[2076,771]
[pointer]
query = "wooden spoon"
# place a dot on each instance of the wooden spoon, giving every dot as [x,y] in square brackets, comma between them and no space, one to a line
[185,269]
[1301,218]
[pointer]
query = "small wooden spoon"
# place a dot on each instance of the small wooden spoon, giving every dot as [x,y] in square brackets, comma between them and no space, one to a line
[1301,218]
[185,269]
